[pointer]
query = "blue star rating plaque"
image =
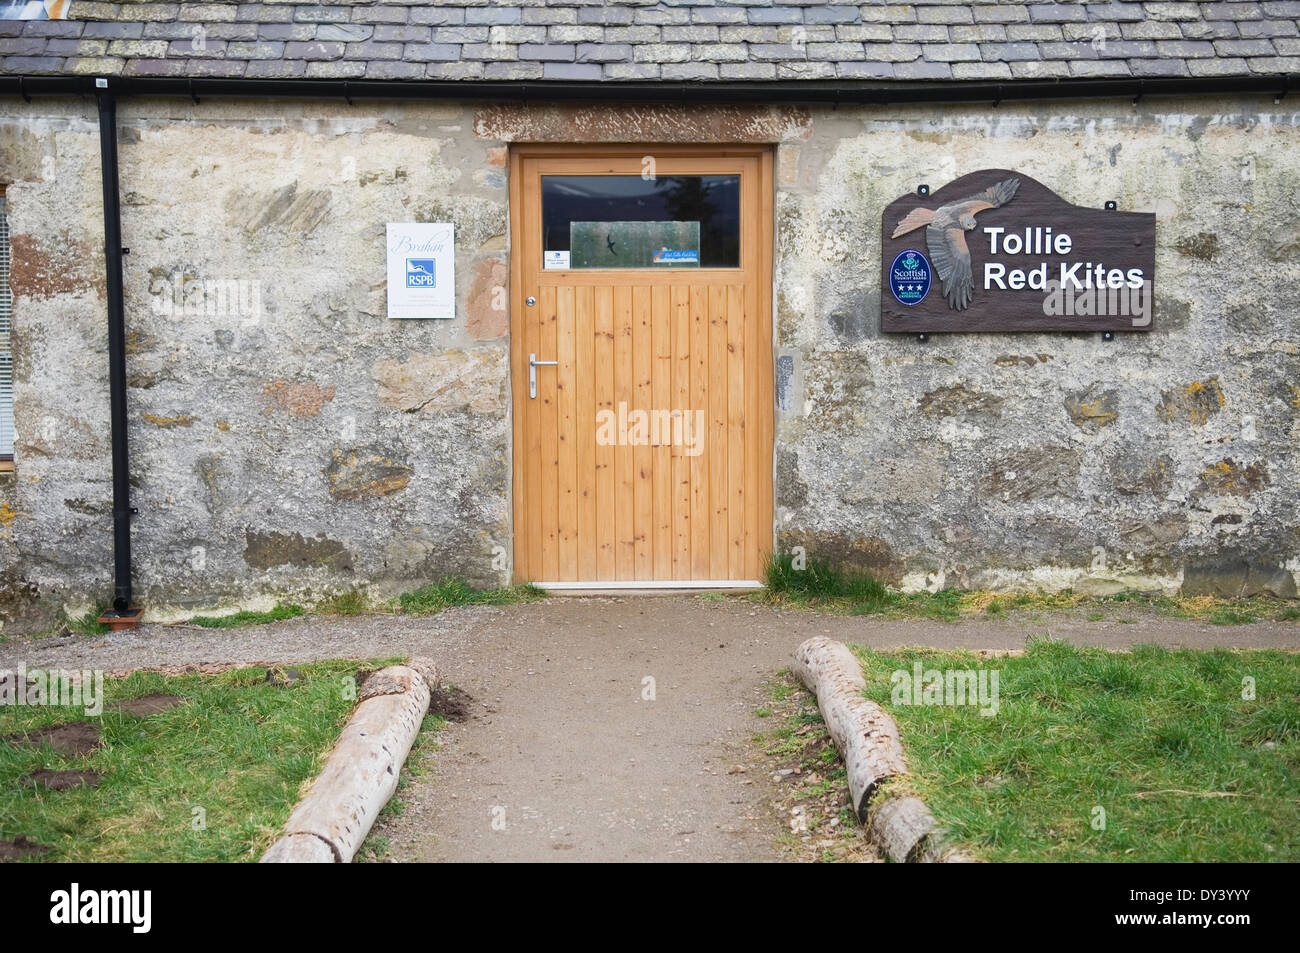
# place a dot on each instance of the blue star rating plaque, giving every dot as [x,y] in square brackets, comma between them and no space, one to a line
[909,277]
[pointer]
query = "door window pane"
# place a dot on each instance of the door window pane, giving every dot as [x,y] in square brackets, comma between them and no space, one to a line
[626,221]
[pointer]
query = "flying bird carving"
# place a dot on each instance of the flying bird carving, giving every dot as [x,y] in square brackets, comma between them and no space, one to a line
[945,236]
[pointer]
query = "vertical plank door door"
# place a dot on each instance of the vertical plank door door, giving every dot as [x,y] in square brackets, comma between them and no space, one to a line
[643,454]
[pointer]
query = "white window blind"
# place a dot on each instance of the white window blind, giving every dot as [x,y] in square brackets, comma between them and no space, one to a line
[6,353]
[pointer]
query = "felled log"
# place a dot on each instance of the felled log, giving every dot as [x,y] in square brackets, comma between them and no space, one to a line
[335,815]
[863,731]
[900,825]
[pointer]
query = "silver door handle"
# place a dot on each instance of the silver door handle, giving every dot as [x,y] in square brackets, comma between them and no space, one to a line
[533,365]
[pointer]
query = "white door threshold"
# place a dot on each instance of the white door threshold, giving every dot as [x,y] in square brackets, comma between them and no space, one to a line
[648,584]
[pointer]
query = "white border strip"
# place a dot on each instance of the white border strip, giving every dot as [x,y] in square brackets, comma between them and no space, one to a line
[654,584]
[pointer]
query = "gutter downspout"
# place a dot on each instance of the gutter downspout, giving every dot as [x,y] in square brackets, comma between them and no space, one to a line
[122,615]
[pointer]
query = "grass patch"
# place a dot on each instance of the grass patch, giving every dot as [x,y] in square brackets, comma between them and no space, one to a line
[1184,767]
[823,586]
[352,602]
[89,623]
[1225,615]
[456,592]
[247,618]
[821,580]
[239,749]
[427,599]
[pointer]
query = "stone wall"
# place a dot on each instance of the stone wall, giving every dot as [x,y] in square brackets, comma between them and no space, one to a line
[1155,460]
[291,441]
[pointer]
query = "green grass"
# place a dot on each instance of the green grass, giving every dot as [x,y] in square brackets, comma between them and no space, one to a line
[456,592]
[427,599]
[239,749]
[89,623]
[1184,767]
[351,602]
[1229,616]
[822,585]
[247,618]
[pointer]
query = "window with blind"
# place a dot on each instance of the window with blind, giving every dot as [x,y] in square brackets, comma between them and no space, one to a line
[6,352]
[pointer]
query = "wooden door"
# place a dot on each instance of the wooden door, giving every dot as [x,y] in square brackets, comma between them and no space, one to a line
[645,456]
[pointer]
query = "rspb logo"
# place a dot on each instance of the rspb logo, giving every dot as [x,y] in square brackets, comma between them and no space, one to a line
[420,273]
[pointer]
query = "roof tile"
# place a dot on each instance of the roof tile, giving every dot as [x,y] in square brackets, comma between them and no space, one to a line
[669,40]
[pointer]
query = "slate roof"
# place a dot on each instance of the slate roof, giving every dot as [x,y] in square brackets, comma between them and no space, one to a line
[660,40]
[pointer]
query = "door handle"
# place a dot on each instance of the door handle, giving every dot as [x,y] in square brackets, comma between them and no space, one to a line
[533,365]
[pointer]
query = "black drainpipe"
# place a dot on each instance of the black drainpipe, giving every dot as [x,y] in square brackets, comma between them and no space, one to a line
[122,614]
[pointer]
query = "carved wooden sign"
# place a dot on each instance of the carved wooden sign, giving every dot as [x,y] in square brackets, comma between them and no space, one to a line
[998,251]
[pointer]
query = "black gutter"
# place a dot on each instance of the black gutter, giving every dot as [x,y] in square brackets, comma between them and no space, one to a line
[113,252]
[787,93]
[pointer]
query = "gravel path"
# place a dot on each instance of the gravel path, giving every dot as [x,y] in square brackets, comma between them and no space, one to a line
[565,756]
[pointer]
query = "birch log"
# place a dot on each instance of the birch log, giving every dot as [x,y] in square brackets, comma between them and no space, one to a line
[901,826]
[863,731]
[333,817]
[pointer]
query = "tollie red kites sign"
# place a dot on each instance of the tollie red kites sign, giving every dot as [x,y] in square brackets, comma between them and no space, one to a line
[998,251]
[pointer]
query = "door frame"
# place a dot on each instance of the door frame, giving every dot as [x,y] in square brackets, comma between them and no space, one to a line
[765,426]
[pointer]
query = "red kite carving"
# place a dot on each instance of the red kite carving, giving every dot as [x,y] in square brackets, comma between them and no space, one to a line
[945,229]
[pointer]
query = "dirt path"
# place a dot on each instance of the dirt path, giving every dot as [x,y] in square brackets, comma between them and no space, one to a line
[563,752]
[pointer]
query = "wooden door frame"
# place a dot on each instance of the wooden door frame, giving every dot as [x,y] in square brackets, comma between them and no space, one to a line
[766,223]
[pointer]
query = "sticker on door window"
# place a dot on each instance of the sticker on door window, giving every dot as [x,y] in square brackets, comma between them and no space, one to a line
[555,259]
[677,256]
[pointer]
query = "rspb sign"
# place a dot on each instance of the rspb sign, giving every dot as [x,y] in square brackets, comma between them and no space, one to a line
[998,251]
[421,270]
